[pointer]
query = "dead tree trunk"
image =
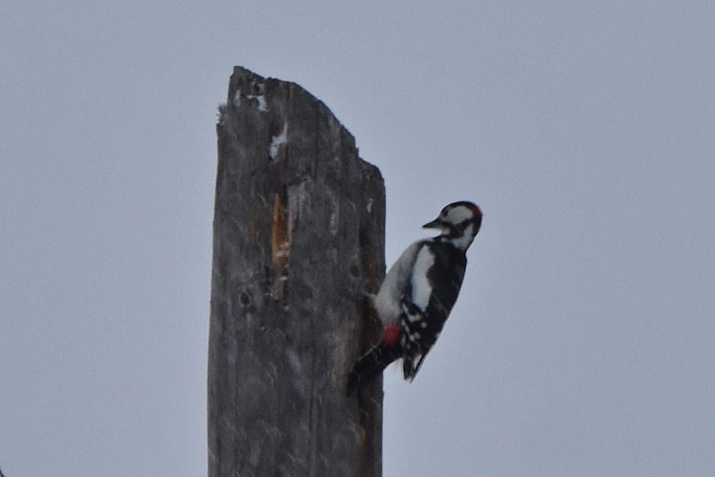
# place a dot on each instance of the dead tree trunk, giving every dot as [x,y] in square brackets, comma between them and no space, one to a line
[298,245]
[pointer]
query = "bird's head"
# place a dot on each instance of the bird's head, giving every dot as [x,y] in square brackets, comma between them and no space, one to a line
[459,223]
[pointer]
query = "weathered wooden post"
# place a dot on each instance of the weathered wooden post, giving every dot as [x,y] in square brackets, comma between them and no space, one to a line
[298,245]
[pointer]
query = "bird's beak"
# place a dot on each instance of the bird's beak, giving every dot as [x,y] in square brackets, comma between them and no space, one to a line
[435,224]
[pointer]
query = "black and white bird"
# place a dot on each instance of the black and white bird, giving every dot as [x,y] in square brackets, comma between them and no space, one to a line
[418,294]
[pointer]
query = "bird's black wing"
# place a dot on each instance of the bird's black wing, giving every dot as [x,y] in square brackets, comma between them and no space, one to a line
[422,327]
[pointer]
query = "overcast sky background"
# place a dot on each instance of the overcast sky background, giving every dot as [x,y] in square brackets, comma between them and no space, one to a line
[583,343]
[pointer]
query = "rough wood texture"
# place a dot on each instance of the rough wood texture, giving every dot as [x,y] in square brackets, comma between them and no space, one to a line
[298,243]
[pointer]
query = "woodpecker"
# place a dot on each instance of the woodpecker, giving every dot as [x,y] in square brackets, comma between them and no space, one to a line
[418,294]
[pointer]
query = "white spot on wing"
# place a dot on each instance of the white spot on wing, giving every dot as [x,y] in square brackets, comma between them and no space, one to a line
[421,286]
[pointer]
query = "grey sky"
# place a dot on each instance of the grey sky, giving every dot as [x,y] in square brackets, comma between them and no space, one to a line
[583,343]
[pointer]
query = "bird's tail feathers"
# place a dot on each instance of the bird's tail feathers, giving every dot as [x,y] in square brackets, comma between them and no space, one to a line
[371,365]
[411,365]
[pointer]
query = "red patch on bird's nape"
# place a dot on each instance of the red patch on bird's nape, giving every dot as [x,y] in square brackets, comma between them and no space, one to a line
[475,210]
[391,335]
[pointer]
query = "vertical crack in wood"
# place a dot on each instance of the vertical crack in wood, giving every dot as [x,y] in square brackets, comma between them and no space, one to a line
[280,245]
